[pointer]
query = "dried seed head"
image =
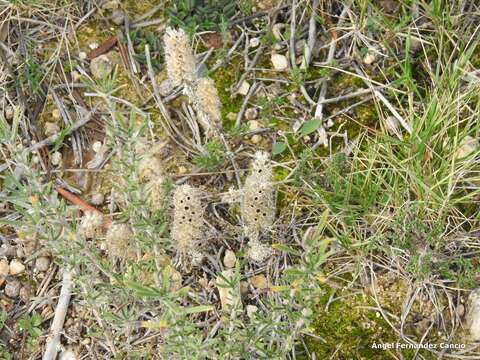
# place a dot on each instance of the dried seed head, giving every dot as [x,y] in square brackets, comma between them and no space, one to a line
[258,203]
[258,252]
[119,241]
[179,57]
[187,229]
[156,193]
[207,104]
[91,224]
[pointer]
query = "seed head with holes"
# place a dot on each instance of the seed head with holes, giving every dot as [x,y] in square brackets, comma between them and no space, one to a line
[187,229]
[258,202]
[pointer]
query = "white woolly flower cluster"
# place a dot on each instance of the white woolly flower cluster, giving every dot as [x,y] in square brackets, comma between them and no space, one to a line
[207,105]
[179,58]
[119,241]
[91,224]
[180,63]
[187,228]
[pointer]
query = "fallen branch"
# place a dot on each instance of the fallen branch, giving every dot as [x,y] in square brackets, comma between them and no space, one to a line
[53,341]
[103,48]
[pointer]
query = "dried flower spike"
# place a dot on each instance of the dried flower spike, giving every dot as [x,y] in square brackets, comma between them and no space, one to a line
[258,202]
[187,229]
[179,58]
[119,241]
[91,224]
[207,105]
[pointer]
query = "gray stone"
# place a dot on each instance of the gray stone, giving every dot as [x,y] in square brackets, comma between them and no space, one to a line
[118,16]
[42,263]
[251,114]
[472,319]
[12,289]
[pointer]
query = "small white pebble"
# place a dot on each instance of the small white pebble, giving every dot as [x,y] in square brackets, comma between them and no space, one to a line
[68,354]
[251,114]
[12,289]
[256,139]
[82,55]
[279,62]
[370,58]
[9,111]
[75,76]
[97,146]
[97,199]
[244,87]
[254,42]
[232,116]
[253,125]
[56,158]
[50,128]
[56,114]
[42,264]
[16,267]
[229,259]
[251,310]
[4,268]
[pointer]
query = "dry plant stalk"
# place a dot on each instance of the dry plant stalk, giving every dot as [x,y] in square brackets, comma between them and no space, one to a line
[187,228]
